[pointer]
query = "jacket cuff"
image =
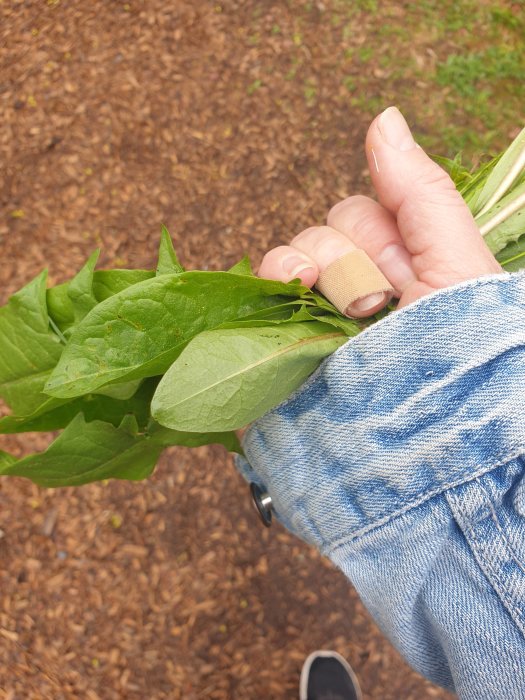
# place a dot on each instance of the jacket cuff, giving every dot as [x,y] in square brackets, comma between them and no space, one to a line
[429,397]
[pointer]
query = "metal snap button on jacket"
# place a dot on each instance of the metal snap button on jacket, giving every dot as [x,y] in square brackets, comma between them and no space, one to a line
[263,504]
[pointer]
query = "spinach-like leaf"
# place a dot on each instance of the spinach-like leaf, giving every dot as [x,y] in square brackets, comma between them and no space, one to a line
[140,331]
[29,349]
[86,452]
[98,450]
[226,378]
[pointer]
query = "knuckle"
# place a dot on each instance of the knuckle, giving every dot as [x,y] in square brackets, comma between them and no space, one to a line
[311,235]
[345,207]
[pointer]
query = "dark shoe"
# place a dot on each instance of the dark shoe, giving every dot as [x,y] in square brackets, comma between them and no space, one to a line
[327,676]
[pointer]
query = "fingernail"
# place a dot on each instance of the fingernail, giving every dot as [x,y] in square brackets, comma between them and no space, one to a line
[361,306]
[294,265]
[394,129]
[395,263]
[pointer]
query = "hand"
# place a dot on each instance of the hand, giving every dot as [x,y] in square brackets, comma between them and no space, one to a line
[420,234]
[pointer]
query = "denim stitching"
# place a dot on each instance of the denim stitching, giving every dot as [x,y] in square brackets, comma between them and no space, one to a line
[491,572]
[499,527]
[494,575]
[385,519]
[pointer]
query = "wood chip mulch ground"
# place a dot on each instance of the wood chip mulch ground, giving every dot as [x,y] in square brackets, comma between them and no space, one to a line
[117,117]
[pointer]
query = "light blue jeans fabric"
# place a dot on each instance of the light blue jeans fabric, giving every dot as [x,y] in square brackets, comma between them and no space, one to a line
[402,459]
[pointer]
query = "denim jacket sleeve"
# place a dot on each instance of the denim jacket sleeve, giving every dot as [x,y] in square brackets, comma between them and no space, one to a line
[402,459]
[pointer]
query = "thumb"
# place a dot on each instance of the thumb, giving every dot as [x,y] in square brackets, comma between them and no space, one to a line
[436,225]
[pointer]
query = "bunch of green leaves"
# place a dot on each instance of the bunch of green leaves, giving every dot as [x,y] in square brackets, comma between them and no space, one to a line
[128,362]
[495,194]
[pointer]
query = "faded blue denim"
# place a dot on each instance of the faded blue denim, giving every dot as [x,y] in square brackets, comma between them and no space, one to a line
[402,459]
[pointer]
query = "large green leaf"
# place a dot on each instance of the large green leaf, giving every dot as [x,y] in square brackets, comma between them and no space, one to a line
[86,452]
[29,349]
[281,313]
[140,331]
[224,379]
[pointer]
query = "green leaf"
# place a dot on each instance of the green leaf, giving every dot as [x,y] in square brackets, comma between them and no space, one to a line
[166,438]
[92,406]
[29,349]
[457,171]
[6,460]
[87,452]
[281,313]
[168,263]
[512,257]
[243,267]
[140,331]
[69,302]
[471,188]
[80,289]
[225,379]
[505,222]
[106,283]
[508,169]
[17,422]
[59,306]
[120,390]
[93,451]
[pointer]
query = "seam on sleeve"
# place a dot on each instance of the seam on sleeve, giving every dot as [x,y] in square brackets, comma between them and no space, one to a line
[500,529]
[474,512]
[332,547]
[495,576]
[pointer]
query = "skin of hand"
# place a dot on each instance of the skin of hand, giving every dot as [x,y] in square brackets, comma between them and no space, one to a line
[420,233]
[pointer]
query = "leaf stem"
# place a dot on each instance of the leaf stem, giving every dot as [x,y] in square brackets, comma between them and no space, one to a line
[503,214]
[505,184]
[57,331]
